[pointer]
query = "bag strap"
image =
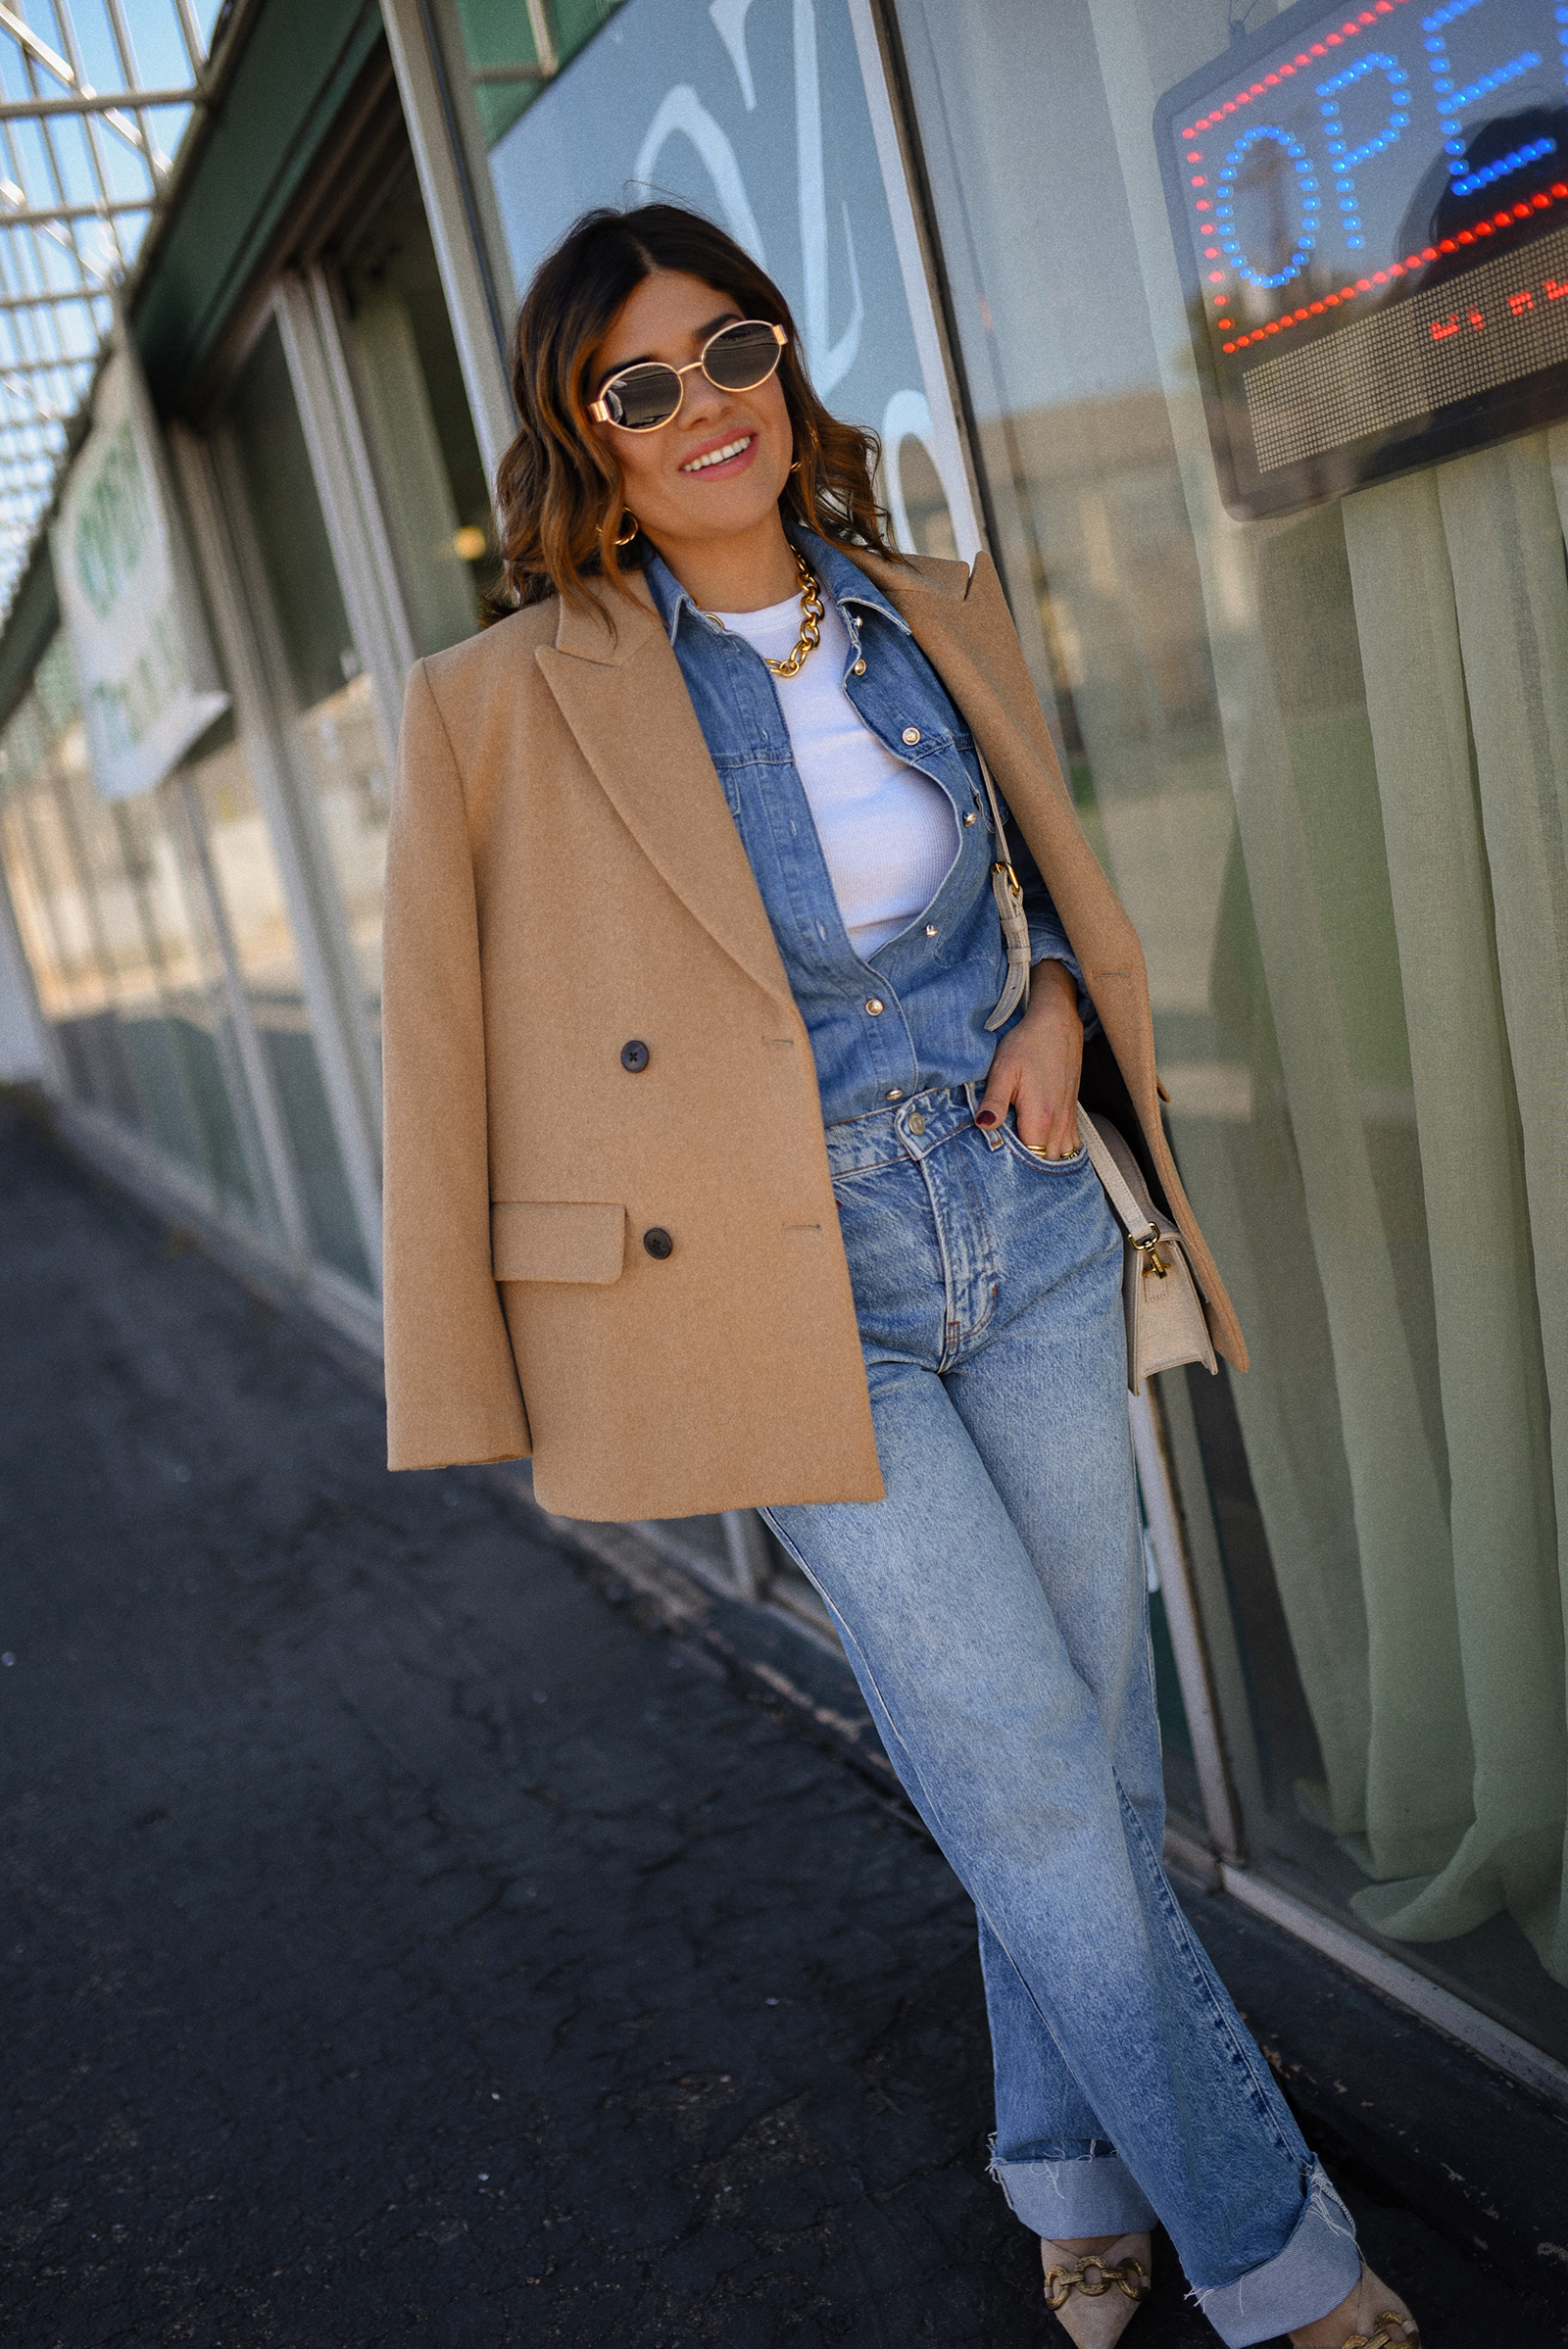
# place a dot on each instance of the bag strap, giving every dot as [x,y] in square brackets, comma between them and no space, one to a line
[1008,890]
[1003,853]
[1136,1216]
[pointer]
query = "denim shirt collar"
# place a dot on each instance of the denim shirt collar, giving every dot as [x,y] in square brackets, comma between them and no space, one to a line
[841,578]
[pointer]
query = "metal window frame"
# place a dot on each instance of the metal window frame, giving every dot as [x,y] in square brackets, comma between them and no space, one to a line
[236,589]
[261,1119]
[355,1030]
[161,812]
[465,226]
[1183,1616]
[345,483]
[914,239]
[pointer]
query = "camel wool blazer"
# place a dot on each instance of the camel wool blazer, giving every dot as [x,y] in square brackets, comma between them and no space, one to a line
[627,1262]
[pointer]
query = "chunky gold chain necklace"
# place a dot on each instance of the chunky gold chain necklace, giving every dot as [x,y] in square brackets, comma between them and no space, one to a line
[811,635]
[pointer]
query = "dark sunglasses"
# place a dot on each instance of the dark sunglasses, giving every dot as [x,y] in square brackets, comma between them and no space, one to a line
[736,358]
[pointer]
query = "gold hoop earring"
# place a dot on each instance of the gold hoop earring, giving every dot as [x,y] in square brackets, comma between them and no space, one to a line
[795,466]
[624,538]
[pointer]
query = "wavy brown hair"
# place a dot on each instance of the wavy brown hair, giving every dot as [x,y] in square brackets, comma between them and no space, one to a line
[559,486]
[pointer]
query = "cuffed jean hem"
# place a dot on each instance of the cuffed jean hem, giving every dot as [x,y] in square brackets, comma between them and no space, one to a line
[1092,2194]
[1319,2264]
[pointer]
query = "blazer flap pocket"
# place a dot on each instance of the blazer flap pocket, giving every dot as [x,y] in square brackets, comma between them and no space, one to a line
[556,1240]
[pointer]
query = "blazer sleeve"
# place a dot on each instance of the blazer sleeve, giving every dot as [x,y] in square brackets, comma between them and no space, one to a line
[452,1390]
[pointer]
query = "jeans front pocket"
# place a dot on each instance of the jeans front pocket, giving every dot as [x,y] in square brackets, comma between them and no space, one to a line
[1046,1166]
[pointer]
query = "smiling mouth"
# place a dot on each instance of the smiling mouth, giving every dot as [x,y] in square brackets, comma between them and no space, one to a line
[732,448]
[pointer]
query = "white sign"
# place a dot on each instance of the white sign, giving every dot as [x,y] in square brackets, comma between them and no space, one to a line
[144,658]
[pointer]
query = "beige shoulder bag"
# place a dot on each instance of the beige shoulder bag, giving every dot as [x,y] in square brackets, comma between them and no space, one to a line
[1165,1323]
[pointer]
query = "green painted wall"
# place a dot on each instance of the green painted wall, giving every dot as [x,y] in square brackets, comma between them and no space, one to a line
[299,64]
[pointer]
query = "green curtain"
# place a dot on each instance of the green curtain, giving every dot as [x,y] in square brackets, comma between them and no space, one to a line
[1462,604]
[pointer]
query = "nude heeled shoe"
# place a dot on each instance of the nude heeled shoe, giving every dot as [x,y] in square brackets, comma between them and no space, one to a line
[1381,2320]
[1095,2295]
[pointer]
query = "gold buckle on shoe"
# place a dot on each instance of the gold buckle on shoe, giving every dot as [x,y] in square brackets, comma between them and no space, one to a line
[1383,2338]
[1061,2283]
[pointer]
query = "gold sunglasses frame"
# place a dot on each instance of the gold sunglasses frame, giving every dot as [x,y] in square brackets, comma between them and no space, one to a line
[600,411]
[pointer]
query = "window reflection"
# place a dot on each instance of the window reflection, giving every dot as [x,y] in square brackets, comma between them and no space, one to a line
[169,1009]
[255,911]
[435,496]
[126,969]
[1239,706]
[328,703]
[52,915]
[58,909]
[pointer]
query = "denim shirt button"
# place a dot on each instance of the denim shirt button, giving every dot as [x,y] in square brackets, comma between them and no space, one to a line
[874,1005]
[911,735]
[969,818]
[859,669]
[895,1093]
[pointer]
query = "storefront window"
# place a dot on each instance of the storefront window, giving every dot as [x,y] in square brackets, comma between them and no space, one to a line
[317,675]
[1321,754]
[171,1008]
[57,918]
[124,969]
[761,117]
[436,498]
[253,912]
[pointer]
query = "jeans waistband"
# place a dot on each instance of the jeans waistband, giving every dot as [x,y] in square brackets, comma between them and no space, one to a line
[910,1129]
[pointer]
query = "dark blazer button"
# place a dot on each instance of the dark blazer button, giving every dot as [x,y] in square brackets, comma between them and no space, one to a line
[659,1242]
[634,1056]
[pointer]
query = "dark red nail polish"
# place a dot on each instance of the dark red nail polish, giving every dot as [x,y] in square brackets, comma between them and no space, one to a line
[986,1117]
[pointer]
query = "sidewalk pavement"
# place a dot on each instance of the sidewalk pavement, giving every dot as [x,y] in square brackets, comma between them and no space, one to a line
[403,1945]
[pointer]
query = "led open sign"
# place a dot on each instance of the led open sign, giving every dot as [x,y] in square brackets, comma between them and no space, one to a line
[1371,210]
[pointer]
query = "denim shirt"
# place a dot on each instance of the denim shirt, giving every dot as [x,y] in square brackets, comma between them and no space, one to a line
[935,983]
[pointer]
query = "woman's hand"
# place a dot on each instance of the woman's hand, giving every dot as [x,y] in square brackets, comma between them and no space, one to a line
[1036,1071]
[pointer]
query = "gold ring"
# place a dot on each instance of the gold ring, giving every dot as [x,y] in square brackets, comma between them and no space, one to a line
[1051,1158]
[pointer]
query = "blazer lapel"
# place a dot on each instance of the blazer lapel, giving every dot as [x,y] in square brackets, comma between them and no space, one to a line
[626,703]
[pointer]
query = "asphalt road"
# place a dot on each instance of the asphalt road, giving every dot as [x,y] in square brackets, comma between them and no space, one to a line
[403,1944]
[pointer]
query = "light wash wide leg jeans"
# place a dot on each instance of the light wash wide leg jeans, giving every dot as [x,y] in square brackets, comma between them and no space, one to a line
[995,1611]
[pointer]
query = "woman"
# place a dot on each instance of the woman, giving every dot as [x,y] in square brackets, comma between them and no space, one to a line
[725,1171]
